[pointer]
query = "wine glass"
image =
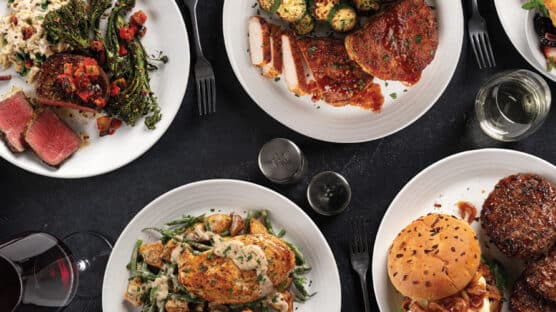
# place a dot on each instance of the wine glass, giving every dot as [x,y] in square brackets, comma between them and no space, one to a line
[43,273]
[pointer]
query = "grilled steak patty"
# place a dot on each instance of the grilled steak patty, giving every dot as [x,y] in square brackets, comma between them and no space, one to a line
[519,216]
[524,299]
[397,44]
[48,88]
[541,276]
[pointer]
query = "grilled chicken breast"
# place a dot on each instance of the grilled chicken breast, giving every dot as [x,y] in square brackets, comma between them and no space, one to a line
[294,68]
[259,41]
[397,44]
[274,68]
[340,81]
[219,280]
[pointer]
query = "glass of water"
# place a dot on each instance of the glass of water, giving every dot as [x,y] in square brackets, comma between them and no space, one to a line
[513,105]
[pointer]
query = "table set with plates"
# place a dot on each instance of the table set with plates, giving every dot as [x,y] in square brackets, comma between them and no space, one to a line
[341,182]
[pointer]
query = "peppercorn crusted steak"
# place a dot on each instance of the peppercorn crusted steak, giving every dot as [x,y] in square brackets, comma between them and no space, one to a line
[49,86]
[339,80]
[541,276]
[519,216]
[397,44]
[524,299]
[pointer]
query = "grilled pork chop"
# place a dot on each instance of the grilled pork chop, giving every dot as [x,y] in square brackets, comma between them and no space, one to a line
[397,44]
[340,81]
[48,88]
[219,280]
[15,113]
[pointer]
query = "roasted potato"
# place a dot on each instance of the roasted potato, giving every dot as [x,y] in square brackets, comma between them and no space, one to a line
[134,292]
[219,222]
[237,224]
[343,18]
[292,11]
[320,9]
[305,25]
[173,305]
[270,6]
[152,253]
[366,5]
[257,227]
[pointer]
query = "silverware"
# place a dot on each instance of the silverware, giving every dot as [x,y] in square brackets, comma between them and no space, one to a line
[480,40]
[359,254]
[204,74]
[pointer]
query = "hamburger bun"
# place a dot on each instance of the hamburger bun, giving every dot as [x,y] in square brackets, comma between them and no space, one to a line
[434,257]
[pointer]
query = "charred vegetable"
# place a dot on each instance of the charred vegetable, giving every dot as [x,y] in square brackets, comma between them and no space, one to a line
[292,10]
[320,9]
[270,6]
[96,10]
[69,24]
[366,5]
[305,25]
[342,18]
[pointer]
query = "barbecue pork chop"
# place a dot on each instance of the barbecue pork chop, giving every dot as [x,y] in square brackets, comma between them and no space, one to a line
[397,44]
[214,275]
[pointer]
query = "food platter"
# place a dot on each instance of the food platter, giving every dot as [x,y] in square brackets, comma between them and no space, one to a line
[468,176]
[166,33]
[227,196]
[518,24]
[345,124]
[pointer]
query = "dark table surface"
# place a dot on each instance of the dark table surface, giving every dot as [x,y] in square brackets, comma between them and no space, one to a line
[226,145]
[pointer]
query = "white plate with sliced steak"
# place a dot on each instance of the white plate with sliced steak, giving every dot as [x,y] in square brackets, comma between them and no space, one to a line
[62,142]
[345,88]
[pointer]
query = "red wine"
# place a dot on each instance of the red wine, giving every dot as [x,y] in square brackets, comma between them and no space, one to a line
[46,278]
[10,286]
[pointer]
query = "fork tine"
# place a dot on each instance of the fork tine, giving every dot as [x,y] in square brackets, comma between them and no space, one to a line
[213,88]
[484,49]
[478,46]
[205,97]
[199,98]
[475,52]
[489,50]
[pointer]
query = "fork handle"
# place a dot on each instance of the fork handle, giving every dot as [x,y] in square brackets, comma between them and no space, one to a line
[475,6]
[192,8]
[365,290]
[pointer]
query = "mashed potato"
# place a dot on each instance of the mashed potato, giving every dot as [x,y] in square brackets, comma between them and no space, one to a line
[23,40]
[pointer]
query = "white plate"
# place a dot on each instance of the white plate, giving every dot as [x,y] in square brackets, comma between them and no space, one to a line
[167,33]
[227,196]
[468,176]
[518,24]
[345,124]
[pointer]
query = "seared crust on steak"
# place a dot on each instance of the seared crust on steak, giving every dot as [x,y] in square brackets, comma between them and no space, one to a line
[397,44]
[519,216]
[53,66]
[524,299]
[541,276]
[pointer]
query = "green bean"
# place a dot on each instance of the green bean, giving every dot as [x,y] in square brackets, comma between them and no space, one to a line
[302,269]
[134,256]
[266,221]
[299,257]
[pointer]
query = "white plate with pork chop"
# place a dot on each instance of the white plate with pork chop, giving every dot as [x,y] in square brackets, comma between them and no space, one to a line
[98,155]
[343,123]
[227,196]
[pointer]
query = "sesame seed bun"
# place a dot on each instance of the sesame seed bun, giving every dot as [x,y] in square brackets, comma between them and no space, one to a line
[434,257]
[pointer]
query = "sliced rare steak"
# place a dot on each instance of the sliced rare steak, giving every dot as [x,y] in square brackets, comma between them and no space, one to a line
[15,114]
[51,138]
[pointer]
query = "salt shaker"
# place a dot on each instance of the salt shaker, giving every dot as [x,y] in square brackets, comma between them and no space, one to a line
[329,193]
[282,162]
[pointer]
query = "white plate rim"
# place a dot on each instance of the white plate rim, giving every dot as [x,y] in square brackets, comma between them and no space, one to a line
[208,183]
[381,302]
[327,138]
[160,131]
[517,35]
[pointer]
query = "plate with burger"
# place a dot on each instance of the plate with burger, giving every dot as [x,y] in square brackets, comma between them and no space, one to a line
[475,232]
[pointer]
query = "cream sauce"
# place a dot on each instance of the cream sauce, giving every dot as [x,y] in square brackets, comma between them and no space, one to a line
[176,253]
[278,302]
[161,285]
[246,258]
[199,234]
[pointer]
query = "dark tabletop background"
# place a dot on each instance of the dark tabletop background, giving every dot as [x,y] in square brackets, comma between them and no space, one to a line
[226,144]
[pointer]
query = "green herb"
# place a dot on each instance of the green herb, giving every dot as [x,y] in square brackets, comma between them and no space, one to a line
[277,79]
[44,5]
[281,233]
[260,277]
[394,95]
[10,1]
[254,5]
[385,58]
[498,272]
[536,5]
[311,50]
[418,39]
[202,267]
[386,83]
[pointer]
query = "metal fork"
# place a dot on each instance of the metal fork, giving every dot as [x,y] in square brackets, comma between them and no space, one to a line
[480,40]
[359,254]
[204,74]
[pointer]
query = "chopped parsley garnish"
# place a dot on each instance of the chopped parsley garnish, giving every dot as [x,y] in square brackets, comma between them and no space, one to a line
[277,79]
[385,58]
[394,95]
[311,50]
[418,39]
[202,267]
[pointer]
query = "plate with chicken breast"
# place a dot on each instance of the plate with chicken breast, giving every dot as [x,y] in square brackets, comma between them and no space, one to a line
[470,234]
[344,71]
[221,245]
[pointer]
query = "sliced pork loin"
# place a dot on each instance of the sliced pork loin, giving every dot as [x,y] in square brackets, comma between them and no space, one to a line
[294,67]
[259,41]
[274,68]
[15,114]
[50,138]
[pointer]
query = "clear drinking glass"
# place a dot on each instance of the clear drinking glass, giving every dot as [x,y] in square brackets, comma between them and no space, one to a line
[40,272]
[329,193]
[513,105]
